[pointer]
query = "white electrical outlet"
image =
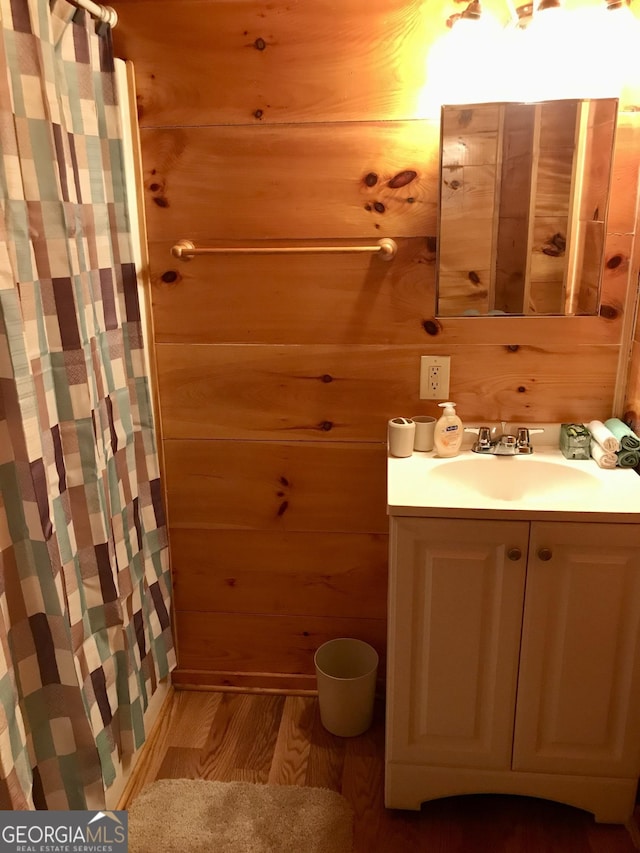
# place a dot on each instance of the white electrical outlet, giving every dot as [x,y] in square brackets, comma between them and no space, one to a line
[434,377]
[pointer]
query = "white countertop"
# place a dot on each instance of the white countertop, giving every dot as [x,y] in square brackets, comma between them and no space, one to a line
[542,485]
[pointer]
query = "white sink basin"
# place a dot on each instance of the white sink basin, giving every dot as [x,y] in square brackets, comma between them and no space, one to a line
[511,478]
[544,483]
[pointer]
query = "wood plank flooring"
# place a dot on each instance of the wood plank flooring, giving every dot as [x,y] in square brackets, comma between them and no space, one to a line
[276,739]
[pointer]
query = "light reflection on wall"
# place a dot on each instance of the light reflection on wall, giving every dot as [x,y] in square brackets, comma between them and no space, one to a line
[583,50]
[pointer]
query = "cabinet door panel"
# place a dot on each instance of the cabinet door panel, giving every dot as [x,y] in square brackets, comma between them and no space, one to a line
[578,708]
[455,611]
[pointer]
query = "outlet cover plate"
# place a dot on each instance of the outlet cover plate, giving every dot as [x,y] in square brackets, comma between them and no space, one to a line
[434,377]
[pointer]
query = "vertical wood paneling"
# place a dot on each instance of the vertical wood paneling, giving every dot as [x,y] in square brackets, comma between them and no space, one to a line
[257,485]
[283,122]
[261,643]
[332,394]
[328,299]
[632,394]
[302,181]
[278,62]
[278,572]
[632,401]
[347,299]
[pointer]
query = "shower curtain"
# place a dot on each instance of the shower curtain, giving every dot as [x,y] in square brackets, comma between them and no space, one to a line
[85,634]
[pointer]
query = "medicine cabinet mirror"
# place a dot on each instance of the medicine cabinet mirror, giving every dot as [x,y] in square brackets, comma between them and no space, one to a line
[524,189]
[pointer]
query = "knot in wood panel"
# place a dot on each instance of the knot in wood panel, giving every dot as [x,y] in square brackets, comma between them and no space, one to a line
[555,246]
[403,178]
[284,506]
[431,327]
[608,312]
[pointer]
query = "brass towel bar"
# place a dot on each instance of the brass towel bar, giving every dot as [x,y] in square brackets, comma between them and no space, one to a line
[185,250]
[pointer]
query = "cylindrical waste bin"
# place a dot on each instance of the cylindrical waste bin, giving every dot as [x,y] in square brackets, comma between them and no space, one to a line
[346,672]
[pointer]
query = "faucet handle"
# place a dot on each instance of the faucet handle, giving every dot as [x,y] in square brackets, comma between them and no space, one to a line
[524,439]
[525,432]
[484,436]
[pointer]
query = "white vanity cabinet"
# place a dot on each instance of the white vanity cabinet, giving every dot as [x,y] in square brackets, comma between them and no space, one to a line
[514,661]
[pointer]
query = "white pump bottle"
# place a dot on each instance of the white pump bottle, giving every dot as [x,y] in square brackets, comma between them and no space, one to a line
[447,436]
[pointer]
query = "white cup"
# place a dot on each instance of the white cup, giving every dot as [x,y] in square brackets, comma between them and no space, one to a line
[425,427]
[400,435]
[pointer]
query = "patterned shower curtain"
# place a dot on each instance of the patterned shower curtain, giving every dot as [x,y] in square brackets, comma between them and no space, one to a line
[85,634]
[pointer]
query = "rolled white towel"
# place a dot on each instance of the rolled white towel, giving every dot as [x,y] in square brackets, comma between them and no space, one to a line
[602,456]
[605,438]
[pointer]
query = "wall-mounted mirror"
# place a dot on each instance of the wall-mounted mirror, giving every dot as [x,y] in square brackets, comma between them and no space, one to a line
[524,189]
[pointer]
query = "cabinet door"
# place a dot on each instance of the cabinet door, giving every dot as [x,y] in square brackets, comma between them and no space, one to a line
[578,708]
[455,614]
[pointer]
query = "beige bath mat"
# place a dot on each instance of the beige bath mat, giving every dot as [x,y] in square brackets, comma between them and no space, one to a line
[180,815]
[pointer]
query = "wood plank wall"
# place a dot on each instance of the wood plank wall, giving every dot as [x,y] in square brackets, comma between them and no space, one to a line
[631,414]
[287,121]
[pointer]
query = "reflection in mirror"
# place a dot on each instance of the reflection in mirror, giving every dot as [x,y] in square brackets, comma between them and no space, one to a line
[523,201]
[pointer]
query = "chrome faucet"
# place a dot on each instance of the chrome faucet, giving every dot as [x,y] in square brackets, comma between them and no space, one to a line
[501,443]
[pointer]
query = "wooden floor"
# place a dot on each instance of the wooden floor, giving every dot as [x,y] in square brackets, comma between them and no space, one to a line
[279,740]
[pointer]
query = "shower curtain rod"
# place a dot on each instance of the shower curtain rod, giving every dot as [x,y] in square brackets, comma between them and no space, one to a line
[185,250]
[101,13]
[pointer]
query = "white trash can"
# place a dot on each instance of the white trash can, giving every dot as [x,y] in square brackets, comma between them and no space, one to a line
[346,674]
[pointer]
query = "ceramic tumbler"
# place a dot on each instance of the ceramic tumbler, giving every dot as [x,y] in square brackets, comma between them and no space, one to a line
[425,426]
[400,436]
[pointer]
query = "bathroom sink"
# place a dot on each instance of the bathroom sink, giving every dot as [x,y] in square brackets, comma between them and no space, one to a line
[508,478]
[544,483]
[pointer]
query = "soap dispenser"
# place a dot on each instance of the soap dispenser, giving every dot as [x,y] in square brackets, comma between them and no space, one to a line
[447,437]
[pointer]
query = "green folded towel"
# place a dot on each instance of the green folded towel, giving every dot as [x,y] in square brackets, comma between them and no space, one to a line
[625,435]
[628,458]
